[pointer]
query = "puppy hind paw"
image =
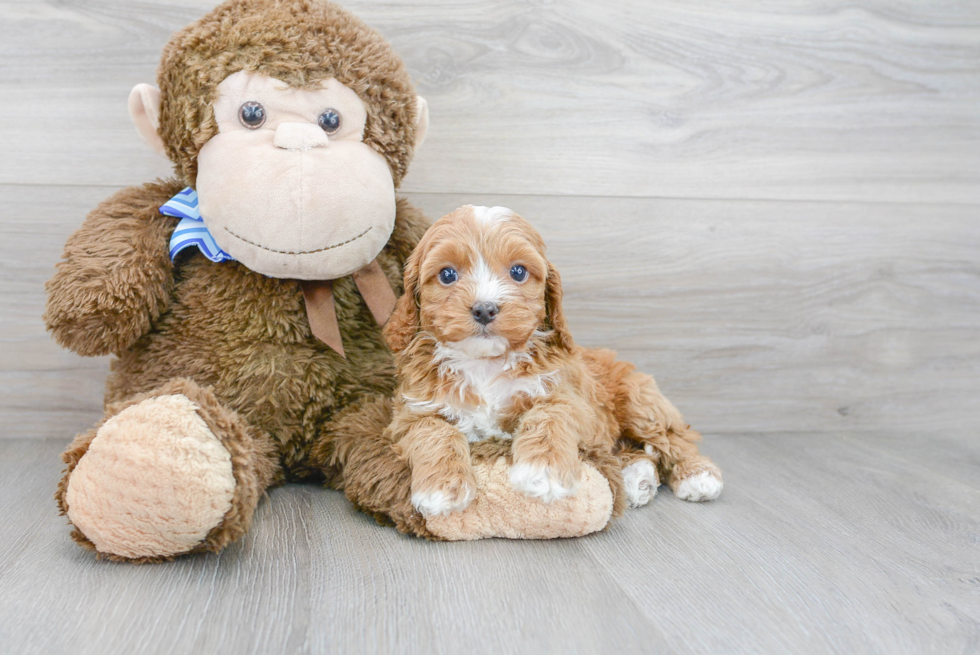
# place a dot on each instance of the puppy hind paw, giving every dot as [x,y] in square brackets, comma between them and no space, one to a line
[539,482]
[641,483]
[699,487]
[439,502]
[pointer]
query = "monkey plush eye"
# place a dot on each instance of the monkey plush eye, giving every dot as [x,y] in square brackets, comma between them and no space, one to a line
[448,275]
[518,273]
[252,115]
[329,120]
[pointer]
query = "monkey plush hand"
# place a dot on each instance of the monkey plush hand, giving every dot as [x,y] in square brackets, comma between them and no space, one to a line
[243,299]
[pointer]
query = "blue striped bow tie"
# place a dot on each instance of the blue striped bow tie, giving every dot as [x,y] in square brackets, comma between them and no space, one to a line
[191,231]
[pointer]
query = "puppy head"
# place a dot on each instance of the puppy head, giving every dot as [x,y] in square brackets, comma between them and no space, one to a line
[479,282]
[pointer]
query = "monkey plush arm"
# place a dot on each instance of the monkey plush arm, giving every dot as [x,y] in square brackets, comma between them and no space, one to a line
[115,276]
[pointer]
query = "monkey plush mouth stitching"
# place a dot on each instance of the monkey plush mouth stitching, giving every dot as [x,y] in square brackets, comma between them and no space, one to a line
[303,252]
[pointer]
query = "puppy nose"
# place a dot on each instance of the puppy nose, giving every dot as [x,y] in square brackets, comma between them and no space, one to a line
[485,312]
[300,136]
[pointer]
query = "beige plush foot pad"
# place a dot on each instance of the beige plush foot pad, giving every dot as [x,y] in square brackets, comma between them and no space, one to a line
[154,482]
[502,511]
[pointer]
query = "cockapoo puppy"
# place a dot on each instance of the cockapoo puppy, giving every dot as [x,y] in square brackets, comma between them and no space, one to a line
[483,351]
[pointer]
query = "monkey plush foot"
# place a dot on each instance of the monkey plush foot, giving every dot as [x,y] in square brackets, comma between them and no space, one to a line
[167,474]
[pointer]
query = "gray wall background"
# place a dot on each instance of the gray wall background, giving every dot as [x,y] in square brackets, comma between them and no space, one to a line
[772,207]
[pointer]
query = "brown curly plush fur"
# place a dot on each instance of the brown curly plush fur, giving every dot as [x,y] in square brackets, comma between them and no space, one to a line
[243,335]
[114,280]
[300,42]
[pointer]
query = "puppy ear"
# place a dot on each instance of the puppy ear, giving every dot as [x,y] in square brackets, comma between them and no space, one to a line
[403,325]
[554,314]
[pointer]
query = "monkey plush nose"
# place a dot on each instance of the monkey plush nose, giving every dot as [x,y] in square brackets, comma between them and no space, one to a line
[300,136]
[484,312]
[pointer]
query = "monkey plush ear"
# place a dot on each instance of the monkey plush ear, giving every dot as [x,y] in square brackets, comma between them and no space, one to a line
[144,109]
[422,120]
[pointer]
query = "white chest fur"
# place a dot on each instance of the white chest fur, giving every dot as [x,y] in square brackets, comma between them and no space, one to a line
[493,381]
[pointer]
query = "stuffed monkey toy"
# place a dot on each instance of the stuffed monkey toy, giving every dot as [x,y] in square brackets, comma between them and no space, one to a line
[243,299]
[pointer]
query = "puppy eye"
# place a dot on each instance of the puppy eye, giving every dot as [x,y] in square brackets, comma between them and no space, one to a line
[448,275]
[329,120]
[251,115]
[518,273]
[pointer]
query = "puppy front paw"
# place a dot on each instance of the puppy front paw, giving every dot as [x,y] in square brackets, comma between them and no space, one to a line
[542,482]
[444,499]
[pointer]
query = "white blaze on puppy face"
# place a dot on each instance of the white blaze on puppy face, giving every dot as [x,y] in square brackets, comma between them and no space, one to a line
[481,246]
[291,189]
[488,285]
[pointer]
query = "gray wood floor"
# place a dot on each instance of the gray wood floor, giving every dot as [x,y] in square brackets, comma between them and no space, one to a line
[849,544]
[772,207]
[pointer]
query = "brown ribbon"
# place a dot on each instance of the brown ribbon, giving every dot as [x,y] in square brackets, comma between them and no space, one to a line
[322,313]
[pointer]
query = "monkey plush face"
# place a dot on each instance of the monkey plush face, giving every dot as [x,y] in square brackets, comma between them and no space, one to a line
[294,122]
[287,185]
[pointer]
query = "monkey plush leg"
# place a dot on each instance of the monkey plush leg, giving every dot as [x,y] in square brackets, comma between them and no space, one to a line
[652,421]
[165,473]
[358,457]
